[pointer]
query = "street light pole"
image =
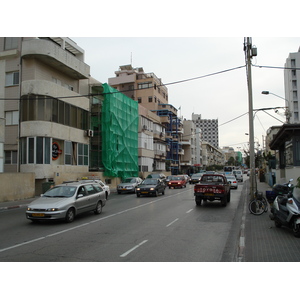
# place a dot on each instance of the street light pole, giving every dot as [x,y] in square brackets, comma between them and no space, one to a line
[249,54]
[287,111]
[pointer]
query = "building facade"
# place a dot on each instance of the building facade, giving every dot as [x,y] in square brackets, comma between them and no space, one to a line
[45,84]
[149,91]
[292,86]
[209,129]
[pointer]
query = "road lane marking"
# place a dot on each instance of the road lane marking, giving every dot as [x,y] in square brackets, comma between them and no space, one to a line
[82,225]
[189,211]
[172,222]
[132,249]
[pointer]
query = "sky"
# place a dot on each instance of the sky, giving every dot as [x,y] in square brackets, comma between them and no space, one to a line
[221,96]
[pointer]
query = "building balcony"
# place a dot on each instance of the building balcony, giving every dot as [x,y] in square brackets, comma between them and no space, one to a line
[56,57]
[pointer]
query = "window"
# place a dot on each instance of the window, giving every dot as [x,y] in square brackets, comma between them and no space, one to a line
[68,153]
[12,78]
[11,43]
[11,157]
[35,150]
[83,155]
[12,117]
[139,99]
[149,99]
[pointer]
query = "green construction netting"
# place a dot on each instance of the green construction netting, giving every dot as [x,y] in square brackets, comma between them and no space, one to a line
[119,134]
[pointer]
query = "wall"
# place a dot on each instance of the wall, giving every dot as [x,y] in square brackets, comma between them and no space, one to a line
[15,186]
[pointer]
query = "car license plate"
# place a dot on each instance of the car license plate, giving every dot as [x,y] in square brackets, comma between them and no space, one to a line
[208,194]
[38,215]
[144,192]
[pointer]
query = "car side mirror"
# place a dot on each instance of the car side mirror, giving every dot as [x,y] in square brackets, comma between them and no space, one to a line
[79,196]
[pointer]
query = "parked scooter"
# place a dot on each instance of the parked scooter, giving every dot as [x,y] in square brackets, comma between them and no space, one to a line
[286,208]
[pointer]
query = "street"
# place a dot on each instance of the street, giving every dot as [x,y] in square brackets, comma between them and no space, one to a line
[167,228]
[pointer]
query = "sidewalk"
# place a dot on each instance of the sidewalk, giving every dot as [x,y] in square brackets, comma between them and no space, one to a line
[15,204]
[266,243]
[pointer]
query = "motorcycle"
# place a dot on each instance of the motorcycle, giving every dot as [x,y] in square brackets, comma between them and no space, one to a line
[286,208]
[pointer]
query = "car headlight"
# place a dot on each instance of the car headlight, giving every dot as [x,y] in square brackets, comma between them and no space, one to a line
[152,189]
[28,208]
[52,209]
[138,189]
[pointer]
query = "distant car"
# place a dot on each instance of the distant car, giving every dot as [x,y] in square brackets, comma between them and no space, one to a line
[177,181]
[67,200]
[195,178]
[168,178]
[160,176]
[128,185]
[238,175]
[233,181]
[151,187]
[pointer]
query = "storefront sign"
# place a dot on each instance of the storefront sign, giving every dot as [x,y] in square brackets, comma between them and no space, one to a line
[56,151]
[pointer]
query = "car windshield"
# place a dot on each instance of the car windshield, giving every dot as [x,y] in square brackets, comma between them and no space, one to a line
[176,178]
[196,175]
[150,181]
[61,191]
[128,180]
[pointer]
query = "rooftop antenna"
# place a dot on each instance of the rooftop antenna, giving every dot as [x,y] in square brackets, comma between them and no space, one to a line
[131,58]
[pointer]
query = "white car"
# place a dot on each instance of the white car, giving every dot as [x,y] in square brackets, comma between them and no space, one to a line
[238,175]
[233,181]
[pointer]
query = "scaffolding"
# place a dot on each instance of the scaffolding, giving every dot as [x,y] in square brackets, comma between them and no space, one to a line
[119,134]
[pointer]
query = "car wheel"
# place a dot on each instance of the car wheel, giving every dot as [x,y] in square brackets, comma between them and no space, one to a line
[138,195]
[156,193]
[70,215]
[198,200]
[224,201]
[98,209]
[163,192]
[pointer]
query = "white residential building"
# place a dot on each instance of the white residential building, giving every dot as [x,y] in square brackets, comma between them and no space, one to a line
[292,86]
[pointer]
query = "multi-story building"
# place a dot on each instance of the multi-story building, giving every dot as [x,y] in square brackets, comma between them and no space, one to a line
[149,91]
[45,84]
[209,129]
[292,86]
[212,155]
[191,143]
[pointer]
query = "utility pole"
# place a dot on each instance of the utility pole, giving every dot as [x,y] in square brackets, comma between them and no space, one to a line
[250,52]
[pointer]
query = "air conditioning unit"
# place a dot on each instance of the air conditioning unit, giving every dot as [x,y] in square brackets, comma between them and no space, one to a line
[90,133]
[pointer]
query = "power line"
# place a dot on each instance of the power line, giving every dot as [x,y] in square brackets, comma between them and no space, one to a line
[130,90]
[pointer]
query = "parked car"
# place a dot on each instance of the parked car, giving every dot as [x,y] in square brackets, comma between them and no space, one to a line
[177,181]
[238,175]
[233,181]
[128,185]
[161,176]
[151,186]
[195,178]
[104,186]
[67,200]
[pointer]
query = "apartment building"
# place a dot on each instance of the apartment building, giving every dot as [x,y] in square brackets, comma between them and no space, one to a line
[192,147]
[149,91]
[209,129]
[45,84]
[292,86]
[212,155]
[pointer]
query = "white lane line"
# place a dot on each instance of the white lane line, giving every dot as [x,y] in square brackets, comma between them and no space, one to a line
[189,211]
[172,222]
[78,226]
[22,244]
[132,249]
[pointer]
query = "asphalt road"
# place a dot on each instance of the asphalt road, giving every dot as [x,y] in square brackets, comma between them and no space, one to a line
[167,228]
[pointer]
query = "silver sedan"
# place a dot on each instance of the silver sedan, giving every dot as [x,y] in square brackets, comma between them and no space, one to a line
[67,200]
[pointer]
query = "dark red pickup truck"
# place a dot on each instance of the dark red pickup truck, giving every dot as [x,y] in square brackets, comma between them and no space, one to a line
[212,187]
